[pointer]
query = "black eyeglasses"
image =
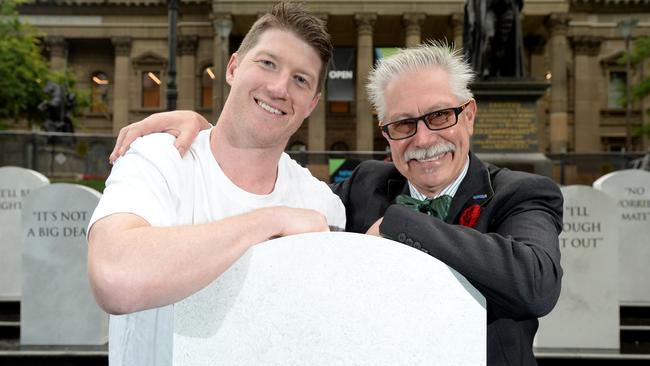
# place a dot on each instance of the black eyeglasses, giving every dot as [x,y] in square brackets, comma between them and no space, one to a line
[435,121]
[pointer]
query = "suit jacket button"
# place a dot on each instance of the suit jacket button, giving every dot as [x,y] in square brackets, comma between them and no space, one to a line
[409,242]
[401,237]
[417,245]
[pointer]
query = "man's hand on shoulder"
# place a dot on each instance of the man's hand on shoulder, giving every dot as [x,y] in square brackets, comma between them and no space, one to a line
[185,125]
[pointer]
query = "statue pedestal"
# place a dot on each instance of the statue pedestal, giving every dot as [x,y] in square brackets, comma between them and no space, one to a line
[506,126]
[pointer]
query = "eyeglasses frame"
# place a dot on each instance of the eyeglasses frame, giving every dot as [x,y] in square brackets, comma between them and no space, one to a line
[457,111]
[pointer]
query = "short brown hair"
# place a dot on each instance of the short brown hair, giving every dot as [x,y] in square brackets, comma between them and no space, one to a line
[294,18]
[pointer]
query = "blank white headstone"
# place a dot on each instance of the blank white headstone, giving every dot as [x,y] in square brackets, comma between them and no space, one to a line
[587,313]
[333,299]
[631,190]
[58,307]
[15,184]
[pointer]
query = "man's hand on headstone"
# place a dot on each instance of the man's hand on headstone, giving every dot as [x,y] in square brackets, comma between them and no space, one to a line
[299,220]
[185,125]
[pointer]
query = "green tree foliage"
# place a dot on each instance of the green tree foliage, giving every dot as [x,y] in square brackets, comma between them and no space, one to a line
[639,55]
[24,70]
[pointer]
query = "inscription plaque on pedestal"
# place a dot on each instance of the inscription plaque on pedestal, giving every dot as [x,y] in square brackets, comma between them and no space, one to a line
[506,131]
[505,127]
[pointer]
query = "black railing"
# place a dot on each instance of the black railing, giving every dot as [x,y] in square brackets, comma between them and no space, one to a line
[85,156]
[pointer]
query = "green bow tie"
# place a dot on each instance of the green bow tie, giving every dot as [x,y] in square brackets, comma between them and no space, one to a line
[436,207]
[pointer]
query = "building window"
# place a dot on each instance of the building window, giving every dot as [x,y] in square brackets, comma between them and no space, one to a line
[207,78]
[339,107]
[341,80]
[383,52]
[380,144]
[151,89]
[297,146]
[616,89]
[99,92]
[339,146]
[614,143]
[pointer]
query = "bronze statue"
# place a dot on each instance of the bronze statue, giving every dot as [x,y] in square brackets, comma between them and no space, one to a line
[58,108]
[492,38]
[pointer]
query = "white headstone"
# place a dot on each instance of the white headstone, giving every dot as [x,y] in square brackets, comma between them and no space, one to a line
[15,184]
[58,307]
[631,190]
[332,299]
[587,313]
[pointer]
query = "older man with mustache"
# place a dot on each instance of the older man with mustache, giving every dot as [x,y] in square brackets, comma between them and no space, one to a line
[499,228]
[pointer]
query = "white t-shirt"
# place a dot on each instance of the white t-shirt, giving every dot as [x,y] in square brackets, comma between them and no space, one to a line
[155,183]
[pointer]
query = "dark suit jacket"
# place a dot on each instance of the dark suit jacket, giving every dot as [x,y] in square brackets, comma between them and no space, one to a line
[511,256]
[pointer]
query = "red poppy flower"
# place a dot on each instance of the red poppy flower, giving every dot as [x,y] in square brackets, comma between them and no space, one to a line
[470,216]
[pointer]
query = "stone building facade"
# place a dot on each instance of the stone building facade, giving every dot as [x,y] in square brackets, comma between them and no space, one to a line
[118,50]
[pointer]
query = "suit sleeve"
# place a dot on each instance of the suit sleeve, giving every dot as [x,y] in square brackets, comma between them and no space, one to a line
[342,189]
[515,263]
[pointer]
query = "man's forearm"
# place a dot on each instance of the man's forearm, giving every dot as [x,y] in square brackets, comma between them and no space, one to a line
[134,266]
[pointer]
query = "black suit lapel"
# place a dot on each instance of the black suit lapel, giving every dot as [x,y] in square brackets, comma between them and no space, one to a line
[384,196]
[475,188]
[397,187]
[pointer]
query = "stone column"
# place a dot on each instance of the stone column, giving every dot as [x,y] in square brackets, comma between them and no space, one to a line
[413,24]
[645,105]
[365,125]
[586,108]
[557,23]
[316,132]
[538,71]
[58,52]
[457,23]
[122,47]
[222,23]
[187,72]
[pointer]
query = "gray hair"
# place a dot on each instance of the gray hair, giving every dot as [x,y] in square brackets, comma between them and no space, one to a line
[430,53]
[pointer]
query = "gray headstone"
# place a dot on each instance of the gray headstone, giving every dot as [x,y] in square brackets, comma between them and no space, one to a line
[631,190]
[332,299]
[15,184]
[587,313]
[58,307]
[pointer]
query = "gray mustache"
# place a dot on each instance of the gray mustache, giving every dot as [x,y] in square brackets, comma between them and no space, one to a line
[429,152]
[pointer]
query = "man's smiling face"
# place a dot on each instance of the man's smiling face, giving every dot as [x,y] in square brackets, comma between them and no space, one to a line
[442,154]
[273,88]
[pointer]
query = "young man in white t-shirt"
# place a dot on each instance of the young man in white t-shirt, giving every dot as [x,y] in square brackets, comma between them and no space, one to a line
[168,225]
